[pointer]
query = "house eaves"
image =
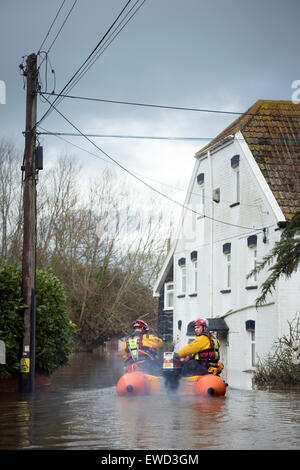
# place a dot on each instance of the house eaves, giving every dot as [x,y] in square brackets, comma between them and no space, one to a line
[271,130]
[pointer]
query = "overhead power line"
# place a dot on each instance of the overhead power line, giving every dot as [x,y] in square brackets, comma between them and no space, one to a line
[87,62]
[57,34]
[51,26]
[117,136]
[161,106]
[110,38]
[143,182]
[63,24]
[174,188]
[151,137]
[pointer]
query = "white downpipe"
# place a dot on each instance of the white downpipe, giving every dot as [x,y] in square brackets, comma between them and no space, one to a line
[211,280]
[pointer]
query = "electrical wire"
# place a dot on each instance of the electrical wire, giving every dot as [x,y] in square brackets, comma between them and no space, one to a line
[177,108]
[63,24]
[148,137]
[51,26]
[143,182]
[117,136]
[58,33]
[101,50]
[59,135]
[85,62]
[105,45]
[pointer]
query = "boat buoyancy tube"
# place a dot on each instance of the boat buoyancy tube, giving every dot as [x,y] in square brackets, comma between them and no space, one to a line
[136,383]
[210,385]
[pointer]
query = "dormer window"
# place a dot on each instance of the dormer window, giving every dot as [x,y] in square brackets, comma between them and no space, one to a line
[235,165]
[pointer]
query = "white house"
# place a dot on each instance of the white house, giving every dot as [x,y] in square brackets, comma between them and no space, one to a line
[244,188]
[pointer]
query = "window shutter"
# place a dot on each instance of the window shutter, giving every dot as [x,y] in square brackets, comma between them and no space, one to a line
[252,241]
[235,161]
[227,248]
[200,178]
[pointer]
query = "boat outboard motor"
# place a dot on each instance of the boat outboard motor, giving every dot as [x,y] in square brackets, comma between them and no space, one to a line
[171,371]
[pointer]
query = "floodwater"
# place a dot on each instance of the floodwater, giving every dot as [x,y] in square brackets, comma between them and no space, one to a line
[82,411]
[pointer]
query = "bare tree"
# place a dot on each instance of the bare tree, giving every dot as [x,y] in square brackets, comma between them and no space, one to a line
[10,200]
[97,237]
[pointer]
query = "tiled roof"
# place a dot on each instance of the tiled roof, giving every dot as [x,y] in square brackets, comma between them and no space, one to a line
[272,132]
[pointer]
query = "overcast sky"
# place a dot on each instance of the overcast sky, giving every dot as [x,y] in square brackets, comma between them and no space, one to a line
[217,54]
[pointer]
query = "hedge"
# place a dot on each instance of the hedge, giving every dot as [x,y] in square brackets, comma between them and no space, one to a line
[54,330]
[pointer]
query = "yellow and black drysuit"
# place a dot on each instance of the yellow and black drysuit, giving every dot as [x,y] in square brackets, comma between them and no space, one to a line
[140,349]
[204,354]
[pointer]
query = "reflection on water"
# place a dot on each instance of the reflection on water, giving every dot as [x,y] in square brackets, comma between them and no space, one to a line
[170,422]
[81,410]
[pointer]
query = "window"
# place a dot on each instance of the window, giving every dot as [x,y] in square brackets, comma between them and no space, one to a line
[227,267]
[235,165]
[228,271]
[169,295]
[182,275]
[254,263]
[194,283]
[252,345]
[194,272]
[201,200]
[250,327]
[252,257]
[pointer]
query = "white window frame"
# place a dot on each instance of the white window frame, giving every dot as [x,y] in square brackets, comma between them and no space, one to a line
[183,279]
[194,276]
[167,293]
[228,271]
[252,281]
[252,349]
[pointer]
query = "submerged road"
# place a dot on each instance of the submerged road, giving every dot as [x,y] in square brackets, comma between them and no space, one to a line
[81,410]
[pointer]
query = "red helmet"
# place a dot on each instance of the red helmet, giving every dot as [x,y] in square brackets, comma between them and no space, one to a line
[140,324]
[200,322]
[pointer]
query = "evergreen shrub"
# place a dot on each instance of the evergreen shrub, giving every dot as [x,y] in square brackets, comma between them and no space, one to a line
[54,330]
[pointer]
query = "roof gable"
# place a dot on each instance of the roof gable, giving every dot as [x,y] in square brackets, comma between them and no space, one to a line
[272,131]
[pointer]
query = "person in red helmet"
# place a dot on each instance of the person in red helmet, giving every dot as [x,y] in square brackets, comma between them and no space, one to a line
[202,355]
[140,348]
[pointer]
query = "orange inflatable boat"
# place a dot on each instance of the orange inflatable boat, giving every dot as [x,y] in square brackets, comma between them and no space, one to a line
[139,383]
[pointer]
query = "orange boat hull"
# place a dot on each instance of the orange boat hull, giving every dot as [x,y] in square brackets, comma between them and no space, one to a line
[137,383]
[205,385]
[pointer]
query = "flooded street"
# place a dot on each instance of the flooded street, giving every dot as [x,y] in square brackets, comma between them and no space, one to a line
[81,410]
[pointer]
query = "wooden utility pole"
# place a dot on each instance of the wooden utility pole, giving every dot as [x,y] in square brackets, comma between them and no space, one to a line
[27,359]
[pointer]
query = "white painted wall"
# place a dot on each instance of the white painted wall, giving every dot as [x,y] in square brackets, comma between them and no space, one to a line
[257,209]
